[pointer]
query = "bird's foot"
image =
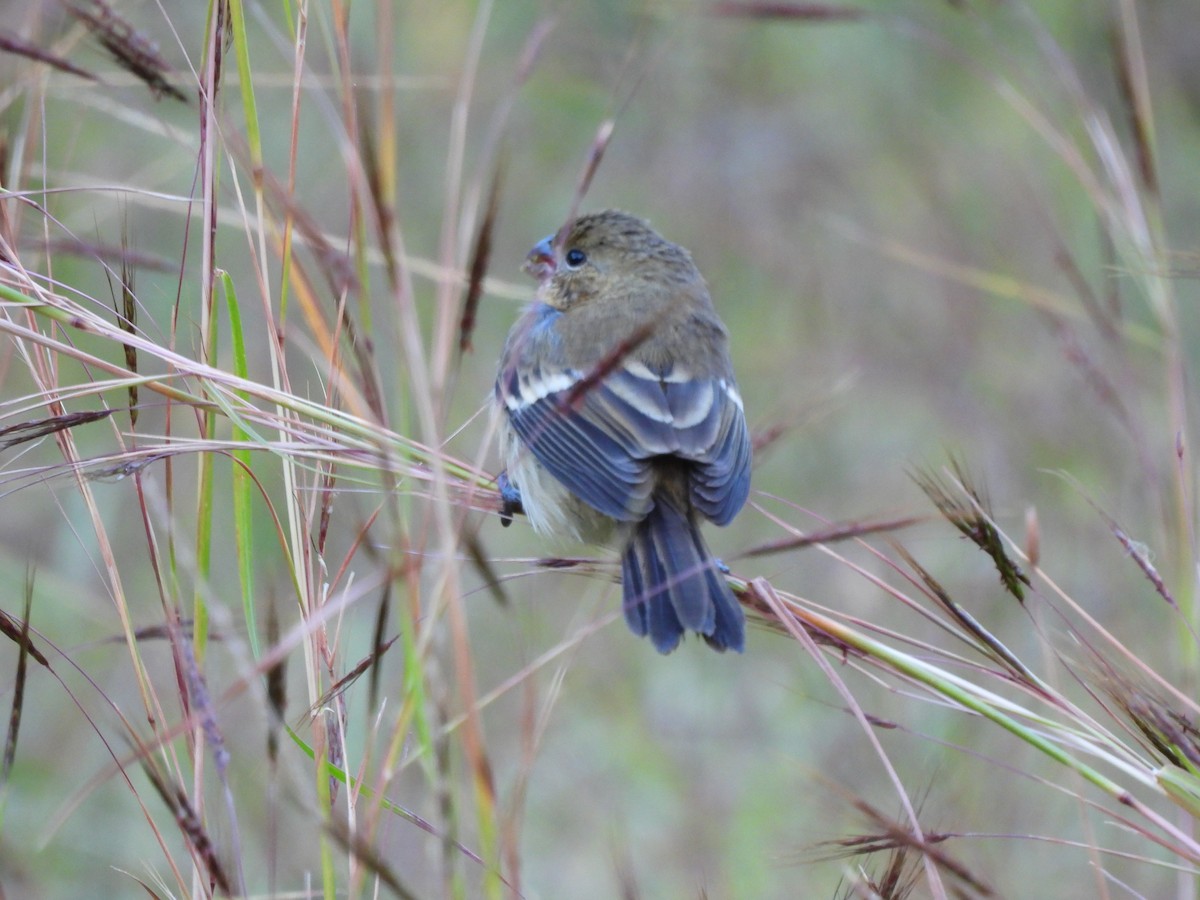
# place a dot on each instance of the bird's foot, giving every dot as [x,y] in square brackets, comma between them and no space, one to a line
[510,499]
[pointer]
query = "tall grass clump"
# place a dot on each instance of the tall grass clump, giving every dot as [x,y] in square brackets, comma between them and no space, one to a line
[262,632]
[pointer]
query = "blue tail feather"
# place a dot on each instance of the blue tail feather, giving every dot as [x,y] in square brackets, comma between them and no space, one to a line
[672,584]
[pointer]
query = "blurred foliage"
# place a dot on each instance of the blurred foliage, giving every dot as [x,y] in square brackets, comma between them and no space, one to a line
[793,159]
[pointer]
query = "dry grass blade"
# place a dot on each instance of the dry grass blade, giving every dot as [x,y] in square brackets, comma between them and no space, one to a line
[29,431]
[108,254]
[483,565]
[385,219]
[1076,352]
[17,631]
[971,515]
[126,465]
[1104,313]
[132,51]
[379,643]
[200,701]
[842,532]
[1141,556]
[984,639]
[1171,733]
[356,195]
[184,627]
[12,43]
[798,629]
[533,48]
[352,676]
[127,320]
[605,367]
[8,241]
[899,878]
[335,743]
[1130,81]
[191,826]
[336,266]
[800,12]
[25,651]
[1136,550]
[276,676]
[480,257]
[764,438]
[595,154]
[368,856]
[757,598]
[562,562]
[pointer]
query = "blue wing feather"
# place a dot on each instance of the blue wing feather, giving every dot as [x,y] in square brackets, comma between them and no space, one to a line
[601,446]
[589,460]
[721,480]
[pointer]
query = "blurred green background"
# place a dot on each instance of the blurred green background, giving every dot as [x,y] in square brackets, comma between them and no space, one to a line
[798,161]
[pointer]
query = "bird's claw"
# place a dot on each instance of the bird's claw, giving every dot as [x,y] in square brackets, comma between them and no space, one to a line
[510,499]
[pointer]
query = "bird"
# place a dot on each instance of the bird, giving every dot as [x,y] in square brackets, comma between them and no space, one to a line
[621,423]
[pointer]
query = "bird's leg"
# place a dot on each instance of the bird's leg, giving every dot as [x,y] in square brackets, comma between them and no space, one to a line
[510,499]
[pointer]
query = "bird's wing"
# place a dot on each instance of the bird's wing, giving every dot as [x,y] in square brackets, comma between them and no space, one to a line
[595,444]
[599,441]
[711,432]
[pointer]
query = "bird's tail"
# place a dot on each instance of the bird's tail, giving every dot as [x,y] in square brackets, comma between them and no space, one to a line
[672,583]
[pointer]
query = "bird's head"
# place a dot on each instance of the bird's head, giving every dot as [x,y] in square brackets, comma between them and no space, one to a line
[609,254]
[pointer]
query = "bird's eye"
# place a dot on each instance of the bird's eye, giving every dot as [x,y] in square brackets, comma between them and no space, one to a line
[575,257]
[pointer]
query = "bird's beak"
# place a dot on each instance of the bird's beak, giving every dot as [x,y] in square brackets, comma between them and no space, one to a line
[540,262]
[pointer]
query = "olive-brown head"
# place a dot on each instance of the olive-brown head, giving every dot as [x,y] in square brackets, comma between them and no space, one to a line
[611,253]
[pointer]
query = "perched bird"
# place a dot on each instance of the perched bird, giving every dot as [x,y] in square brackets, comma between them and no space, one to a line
[622,424]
